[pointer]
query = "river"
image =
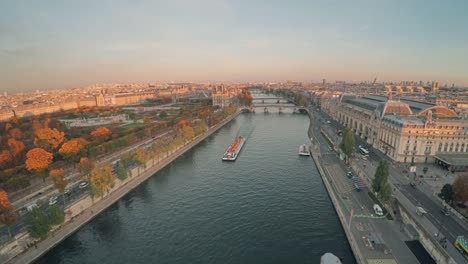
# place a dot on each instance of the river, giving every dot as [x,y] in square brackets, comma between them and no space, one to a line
[269,206]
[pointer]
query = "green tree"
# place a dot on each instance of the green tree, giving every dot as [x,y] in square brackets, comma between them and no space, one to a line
[38,223]
[121,171]
[162,115]
[56,215]
[347,143]
[446,193]
[380,183]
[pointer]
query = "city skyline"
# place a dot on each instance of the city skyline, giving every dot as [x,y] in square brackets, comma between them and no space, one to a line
[55,45]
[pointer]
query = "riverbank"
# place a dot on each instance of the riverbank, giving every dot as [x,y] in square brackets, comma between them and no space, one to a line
[85,210]
[315,151]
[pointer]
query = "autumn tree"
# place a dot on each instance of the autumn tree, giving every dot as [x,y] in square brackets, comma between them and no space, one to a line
[101,133]
[15,133]
[8,215]
[460,189]
[16,148]
[5,158]
[85,165]
[60,183]
[49,139]
[101,180]
[73,149]
[38,161]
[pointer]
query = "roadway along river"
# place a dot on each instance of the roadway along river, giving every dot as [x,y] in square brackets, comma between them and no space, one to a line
[269,206]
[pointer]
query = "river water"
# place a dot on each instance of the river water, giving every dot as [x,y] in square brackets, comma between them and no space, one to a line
[269,206]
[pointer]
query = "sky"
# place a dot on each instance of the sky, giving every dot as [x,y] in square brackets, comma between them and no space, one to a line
[64,44]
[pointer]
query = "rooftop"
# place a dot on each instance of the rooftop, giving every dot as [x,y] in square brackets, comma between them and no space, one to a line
[458,159]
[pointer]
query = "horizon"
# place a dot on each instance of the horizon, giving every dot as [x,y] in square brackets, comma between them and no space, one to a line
[49,46]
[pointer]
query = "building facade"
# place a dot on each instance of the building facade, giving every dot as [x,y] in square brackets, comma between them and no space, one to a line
[406,131]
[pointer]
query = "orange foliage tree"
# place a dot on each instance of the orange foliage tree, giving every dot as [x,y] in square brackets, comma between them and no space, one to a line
[15,133]
[85,165]
[59,180]
[38,160]
[4,202]
[101,133]
[72,149]
[8,216]
[5,158]
[49,139]
[16,147]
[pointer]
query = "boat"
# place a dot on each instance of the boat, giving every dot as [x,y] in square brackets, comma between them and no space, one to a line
[304,150]
[329,258]
[233,150]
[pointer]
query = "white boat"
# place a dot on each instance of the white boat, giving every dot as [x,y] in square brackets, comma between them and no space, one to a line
[233,150]
[304,150]
[329,258]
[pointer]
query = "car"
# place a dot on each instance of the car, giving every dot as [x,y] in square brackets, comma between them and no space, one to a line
[67,191]
[413,184]
[53,200]
[328,121]
[83,184]
[356,187]
[378,211]
[445,211]
[349,174]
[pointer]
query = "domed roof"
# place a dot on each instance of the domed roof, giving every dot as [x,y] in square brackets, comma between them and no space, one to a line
[439,111]
[394,107]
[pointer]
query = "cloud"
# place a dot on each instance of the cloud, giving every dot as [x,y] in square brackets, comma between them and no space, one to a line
[364,28]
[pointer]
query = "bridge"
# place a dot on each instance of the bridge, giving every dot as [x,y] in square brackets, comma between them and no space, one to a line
[268,108]
[269,98]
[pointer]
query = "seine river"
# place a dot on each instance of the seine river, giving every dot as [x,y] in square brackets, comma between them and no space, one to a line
[269,206]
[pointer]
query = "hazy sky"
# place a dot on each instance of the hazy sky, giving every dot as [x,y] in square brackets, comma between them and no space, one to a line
[61,44]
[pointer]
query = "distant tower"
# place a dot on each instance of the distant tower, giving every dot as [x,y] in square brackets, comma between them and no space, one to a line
[324,81]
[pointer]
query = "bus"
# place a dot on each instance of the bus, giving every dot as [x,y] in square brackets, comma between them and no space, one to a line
[363,151]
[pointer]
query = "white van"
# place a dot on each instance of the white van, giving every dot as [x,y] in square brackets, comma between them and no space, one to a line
[378,210]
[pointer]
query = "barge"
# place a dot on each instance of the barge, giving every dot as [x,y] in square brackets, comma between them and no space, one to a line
[233,150]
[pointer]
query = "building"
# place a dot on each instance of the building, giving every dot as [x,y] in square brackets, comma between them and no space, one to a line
[221,96]
[405,130]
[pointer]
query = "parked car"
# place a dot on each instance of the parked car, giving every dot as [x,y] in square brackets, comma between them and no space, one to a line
[83,184]
[378,211]
[349,174]
[53,200]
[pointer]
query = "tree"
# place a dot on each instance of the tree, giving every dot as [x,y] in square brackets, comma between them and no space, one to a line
[8,215]
[101,133]
[85,165]
[446,193]
[72,149]
[380,183]
[460,189]
[59,181]
[38,223]
[38,160]
[16,148]
[5,158]
[15,133]
[147,123]
[162,115]
[101,180]
[121,171]
[347,143]
[188,133]
[4,202]
[49,139]
[56,215]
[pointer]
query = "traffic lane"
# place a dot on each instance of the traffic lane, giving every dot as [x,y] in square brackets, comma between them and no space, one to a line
[450,228]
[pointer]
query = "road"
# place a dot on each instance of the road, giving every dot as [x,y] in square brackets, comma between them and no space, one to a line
[364,221]
[449,227]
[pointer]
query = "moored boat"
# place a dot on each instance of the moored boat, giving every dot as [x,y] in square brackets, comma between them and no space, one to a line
[233,150]
[304,150]
[329,258]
